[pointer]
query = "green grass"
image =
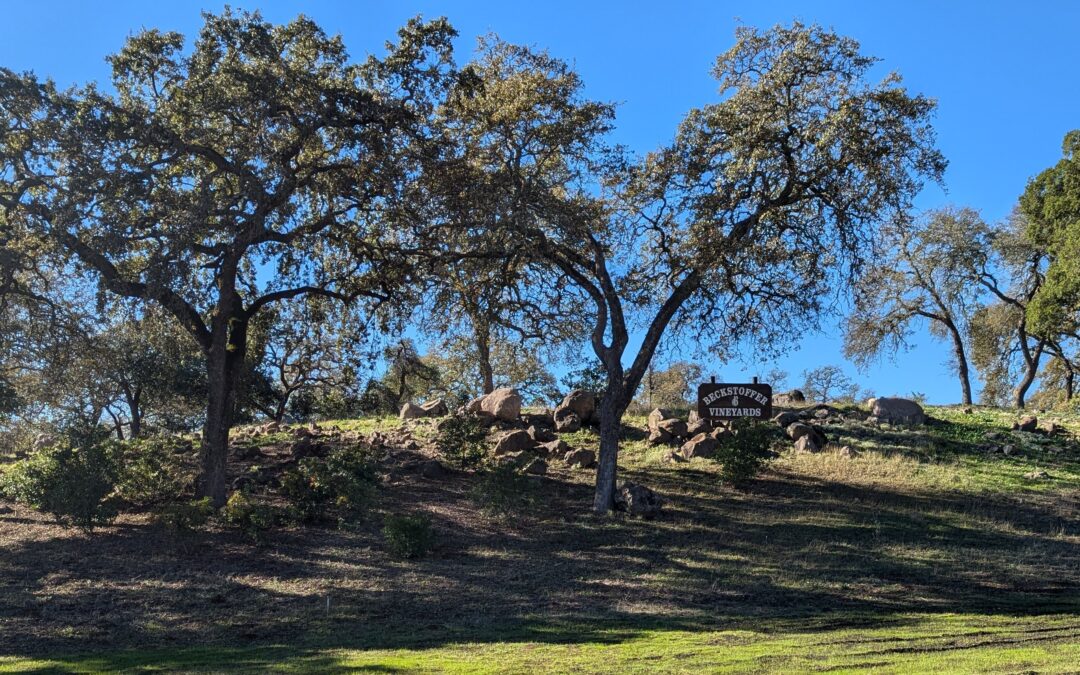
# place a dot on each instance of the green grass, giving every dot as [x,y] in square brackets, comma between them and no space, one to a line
[846,643]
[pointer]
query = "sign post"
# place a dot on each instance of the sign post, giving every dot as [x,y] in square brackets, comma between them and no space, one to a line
[732,401]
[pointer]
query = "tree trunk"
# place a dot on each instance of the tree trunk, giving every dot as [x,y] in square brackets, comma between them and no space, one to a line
[224,364]
[611,409]
[483,356]
[961,363]
[1031,363]
[1069,377]
[1025,384]
[135,409]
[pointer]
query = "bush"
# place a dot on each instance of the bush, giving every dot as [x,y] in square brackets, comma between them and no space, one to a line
[155,470]
[253,518]
[408,536]
[344,481]
[74,484]
[504,491]
[743,452]
[462,441]
[185,516]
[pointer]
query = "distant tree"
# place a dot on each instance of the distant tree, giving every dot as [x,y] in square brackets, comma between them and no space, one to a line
[829,383]
[672,387]
[511,363]
[408,376]
[777,378]
[739,230]
[923,276]
[255,167]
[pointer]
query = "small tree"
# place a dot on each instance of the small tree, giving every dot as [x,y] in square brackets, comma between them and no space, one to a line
[829,383]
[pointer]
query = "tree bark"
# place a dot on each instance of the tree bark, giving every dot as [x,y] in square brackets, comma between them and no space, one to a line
[224,364]
[134,404]
[611,411]
[483,356]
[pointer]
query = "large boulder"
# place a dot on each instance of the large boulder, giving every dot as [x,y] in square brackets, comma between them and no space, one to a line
[566,421]
[786,418]
[675,427]
[637,500]
[657,416]
[798,430]
[1027,423]
[808,443]
[659,437]
[702,445]
[789,398]
[580,459]
[513,441]
[503,404]
[898,411]
[411,411]
[579,402]
[555,448]
[540,434]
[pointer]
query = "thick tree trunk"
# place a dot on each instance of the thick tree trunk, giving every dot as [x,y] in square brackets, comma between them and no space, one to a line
[1025,384]
[135,410]
[611,409]
[1031,364]
[1069,378]
[224,365]
[962,370]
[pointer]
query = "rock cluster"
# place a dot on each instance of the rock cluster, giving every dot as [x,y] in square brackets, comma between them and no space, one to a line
[577,408]
[435,408]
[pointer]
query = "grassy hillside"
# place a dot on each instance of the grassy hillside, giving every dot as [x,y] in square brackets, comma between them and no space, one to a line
[929,550]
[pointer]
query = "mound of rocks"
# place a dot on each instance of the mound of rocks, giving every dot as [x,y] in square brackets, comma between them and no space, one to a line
[665,427]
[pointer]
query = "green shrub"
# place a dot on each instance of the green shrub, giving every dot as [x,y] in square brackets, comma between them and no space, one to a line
[185,516]
[253,518]
[744,452]
[344,482]
[408,536]
[504,492]
[155,470]
[74,484]
[462,441]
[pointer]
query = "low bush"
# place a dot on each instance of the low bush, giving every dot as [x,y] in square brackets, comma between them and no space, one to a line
[743,453]
[462,441]
[253,518]
[73,483]
[185,516]
[343,482]
[155,470]
[408,536]
[504,492]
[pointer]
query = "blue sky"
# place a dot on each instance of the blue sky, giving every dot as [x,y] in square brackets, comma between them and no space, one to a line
[1005,75]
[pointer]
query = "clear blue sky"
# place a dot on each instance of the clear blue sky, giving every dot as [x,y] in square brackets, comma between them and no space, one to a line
[1005,74]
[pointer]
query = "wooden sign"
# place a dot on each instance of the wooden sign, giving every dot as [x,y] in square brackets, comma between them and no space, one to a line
[731,401]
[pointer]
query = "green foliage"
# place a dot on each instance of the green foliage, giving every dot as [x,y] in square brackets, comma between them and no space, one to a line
[73,483]
[408,536]
[504,492]
[253,518]
[462,441]
[343,482]
[592,377]
[185,516]
[155,470]
[743,453]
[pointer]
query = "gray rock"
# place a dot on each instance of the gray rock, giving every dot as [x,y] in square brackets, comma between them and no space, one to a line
[580,402]
[898,411]
[411,411]
[1027,423]
[535,467]
[702,445]
[786,418]
[513,441]
[503,404]
[675,427]
[556,448]
[432,468]
[540,435]
[658,415]
[637,500]
[807,443]
[436,408]
[580,459]
[566,421]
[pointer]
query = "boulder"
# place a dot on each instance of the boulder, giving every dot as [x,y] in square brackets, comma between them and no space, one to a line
[567,421]
[513,441]
[848,451]
[702,445]
[580,402]
[432,468]
[436,408]
[672,455]
[637,500]
[659,437]
[556,448]
[786,418]
[580,459]
[540,435]
[898,411]
[799,430]
[535,467]
[698,426]
[789,398]
[1050,428]
[411,411]
[676,427]
[1027,423]
[503,404]
[807,443]
[475,406]
[657,416]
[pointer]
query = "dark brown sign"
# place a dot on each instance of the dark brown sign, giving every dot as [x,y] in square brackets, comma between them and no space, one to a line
[731,401]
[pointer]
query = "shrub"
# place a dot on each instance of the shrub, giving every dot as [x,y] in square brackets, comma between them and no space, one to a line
[743,452]
[155,470]
[408,536]
[343,481]
[504,492]
[462,441]
[185,516]
[74,484]
[253,518]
